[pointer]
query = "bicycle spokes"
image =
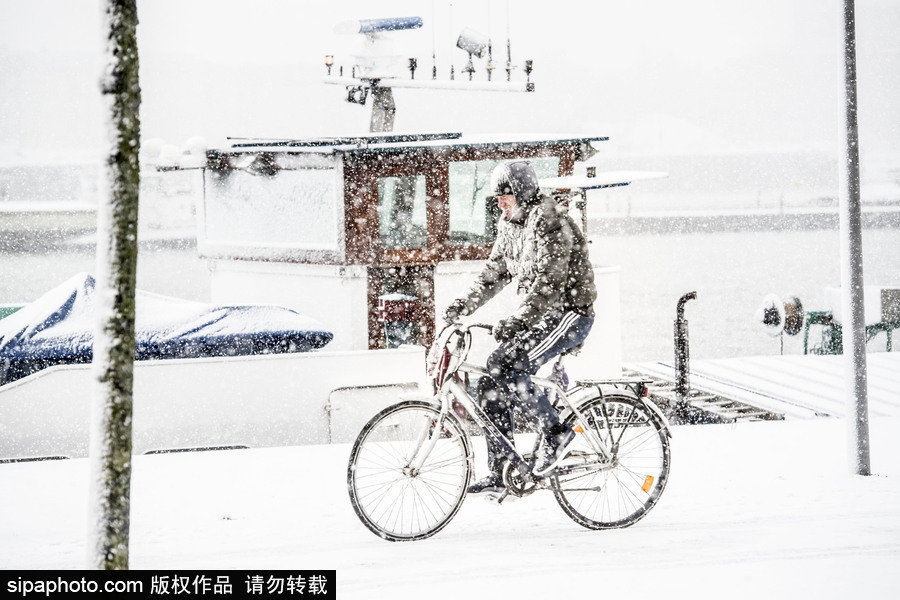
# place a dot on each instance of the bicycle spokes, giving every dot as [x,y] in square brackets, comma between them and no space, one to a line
[408,471]
[601,493]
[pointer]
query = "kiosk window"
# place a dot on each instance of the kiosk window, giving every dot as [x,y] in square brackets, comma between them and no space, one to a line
[402,221]
[290,208]
[472,219]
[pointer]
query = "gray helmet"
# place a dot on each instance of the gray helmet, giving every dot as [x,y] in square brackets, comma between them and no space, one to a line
[517,178]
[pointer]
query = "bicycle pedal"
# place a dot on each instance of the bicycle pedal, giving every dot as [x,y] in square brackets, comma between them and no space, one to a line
[499,497]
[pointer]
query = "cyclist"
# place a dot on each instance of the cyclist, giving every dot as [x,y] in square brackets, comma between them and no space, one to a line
[540,246]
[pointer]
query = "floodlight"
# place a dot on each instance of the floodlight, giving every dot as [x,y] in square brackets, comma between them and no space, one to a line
[472,42]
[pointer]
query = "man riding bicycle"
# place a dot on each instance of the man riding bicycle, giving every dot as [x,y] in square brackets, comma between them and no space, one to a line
[540,246]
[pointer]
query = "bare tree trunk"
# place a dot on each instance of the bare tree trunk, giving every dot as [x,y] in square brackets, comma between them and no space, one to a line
[114,344]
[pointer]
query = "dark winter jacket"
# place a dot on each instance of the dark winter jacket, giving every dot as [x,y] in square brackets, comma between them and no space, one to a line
[546,253]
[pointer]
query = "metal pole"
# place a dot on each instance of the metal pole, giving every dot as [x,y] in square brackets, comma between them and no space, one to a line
[383,109]
[682,358]
[851,261]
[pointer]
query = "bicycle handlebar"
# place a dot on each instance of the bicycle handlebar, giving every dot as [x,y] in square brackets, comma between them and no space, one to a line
[490,328]
[462,326]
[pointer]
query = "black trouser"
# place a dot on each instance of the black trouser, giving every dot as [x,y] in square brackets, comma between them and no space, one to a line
[508,384]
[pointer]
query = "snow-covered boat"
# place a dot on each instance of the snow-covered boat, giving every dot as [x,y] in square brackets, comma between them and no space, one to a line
[58,329]
[329,229]
[336,229]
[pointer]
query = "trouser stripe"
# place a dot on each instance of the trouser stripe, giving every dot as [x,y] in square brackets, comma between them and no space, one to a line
[555,335]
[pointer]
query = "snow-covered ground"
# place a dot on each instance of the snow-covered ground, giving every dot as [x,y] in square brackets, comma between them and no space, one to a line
[754,510]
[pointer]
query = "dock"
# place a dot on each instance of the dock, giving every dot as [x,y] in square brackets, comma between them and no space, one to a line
[767,387]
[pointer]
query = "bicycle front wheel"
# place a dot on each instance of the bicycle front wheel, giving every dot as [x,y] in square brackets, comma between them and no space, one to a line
[407,476]
[601,493]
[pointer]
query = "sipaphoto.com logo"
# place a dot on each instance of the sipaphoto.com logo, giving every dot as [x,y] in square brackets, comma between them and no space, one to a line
[22,586]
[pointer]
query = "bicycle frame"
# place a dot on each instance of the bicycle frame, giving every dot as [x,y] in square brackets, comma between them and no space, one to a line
[452,388]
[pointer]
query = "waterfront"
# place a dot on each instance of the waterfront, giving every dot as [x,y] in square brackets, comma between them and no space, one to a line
[730,271]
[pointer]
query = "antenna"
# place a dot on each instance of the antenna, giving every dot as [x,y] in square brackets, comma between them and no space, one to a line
[490,60]
[509,65]
[377,70]
[433,45]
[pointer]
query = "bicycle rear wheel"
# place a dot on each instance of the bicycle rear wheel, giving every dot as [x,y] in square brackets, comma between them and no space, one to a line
[392,497]
[608,494]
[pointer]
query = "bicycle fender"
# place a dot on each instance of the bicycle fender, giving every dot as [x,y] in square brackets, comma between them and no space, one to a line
[659,413]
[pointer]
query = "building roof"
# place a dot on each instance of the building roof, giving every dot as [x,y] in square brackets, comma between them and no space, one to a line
[403,141]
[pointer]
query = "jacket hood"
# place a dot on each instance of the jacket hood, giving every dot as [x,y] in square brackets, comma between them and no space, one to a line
[517,178]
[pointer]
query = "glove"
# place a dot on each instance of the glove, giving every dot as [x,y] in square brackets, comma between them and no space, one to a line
[507,329]
[455,310]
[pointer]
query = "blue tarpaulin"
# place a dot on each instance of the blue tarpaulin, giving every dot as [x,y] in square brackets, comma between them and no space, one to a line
[58,328]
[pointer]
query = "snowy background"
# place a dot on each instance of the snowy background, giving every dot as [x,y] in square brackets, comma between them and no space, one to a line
[759,509]
[690,78]
[739,103]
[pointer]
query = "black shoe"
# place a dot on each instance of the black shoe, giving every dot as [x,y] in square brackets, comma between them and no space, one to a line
[492,484]
[553,451]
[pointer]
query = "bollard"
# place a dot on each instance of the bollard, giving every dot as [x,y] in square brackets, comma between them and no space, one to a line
[682,357]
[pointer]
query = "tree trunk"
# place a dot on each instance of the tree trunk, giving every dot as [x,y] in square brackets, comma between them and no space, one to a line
[114,343]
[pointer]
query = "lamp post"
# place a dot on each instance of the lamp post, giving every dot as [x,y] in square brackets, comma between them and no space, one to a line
[851,261]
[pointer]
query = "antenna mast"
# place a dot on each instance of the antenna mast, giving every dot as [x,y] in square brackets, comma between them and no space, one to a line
[509,65]
[376,70]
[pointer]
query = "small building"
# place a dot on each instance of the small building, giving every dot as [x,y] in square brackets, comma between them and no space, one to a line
[360,231]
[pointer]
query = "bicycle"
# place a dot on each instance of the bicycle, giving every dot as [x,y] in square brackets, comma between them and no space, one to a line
[412,462]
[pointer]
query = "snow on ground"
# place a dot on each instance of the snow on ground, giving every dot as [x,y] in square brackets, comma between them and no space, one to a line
[752,510]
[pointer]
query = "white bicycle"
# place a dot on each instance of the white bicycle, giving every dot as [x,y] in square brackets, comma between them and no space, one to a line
[412,462]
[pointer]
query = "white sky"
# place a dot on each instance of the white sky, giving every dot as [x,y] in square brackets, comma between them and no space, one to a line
[658,76]
[210,28]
